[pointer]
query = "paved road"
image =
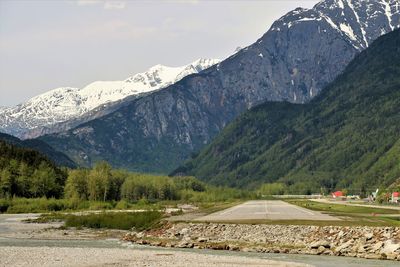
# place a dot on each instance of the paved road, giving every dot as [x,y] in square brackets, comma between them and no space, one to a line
[266,210]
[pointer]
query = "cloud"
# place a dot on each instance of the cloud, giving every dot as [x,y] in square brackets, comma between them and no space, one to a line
[114,5]
[87,2]
[191,2]
[107,5]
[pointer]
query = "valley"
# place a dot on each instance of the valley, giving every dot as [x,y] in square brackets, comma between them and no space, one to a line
[284,153]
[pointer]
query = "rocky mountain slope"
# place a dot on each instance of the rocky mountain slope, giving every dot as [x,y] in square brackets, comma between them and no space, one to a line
[301,53]
[347,137]
[64,107]
[41,147]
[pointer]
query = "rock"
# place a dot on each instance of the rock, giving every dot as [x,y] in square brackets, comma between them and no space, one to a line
[372,256]
[184,231]
[233,247]
[305,239]
[321,243]
[202,239]
[139,235]
[360,249]
[369,236]
[390,247]
[219,247]
[344,246]
[142,242]
[321,249]
[391,256]
[186,242]
[248,250]
[377,246]
[386,234]
[340,234]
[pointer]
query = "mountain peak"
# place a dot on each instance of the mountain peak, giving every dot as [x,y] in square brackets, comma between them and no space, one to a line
[351,18]
[65,103]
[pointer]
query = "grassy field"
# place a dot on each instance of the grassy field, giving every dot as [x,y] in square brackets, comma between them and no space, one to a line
[340,208]
[349,221]
[350,215]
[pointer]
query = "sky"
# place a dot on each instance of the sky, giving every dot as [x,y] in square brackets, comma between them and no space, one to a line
[55,43]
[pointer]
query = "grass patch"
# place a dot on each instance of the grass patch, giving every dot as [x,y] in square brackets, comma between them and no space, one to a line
[109,220]
[353,221]
[339,208]
[349,215]
[45,205]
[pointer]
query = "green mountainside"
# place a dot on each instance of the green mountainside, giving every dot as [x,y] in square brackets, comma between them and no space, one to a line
[346,137]
[57,157]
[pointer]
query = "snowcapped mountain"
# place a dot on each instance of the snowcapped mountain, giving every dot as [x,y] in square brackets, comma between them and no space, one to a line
[66,103]
[300,55]
[360,22]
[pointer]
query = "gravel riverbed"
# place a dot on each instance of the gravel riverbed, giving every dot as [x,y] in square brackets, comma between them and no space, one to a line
[61,256]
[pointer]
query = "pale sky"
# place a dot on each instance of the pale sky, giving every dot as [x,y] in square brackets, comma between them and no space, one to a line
[50,44]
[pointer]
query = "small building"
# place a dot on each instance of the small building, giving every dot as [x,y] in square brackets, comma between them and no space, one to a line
[395,197]
[337,194]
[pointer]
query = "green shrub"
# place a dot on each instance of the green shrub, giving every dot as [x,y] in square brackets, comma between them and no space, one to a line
[97,205]
[122,205]
[4,204]
[115,220]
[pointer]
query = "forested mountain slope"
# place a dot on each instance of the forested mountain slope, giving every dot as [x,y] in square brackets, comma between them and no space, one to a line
[347,137]
[27,173]
[55,156]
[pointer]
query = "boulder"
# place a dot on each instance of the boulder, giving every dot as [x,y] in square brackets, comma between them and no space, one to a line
[372,256]
[390,247]
[320,243]
[377,246]
[369,236]
[344,246]
[202,239]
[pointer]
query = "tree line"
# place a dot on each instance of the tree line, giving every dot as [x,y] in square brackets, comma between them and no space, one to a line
[26,173]
[102,183]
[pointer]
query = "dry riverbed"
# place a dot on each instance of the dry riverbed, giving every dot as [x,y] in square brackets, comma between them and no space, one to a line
[57,256]
[33,244]
[38,244]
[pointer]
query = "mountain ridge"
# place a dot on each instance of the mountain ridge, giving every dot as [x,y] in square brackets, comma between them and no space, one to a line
[346,137]
[301,53]
[31,118]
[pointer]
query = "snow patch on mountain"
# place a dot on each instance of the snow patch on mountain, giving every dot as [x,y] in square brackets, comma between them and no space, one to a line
[65,103]
[349,17]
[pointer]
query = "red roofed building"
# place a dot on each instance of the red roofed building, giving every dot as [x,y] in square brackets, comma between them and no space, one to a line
[337,194]
[395,197]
